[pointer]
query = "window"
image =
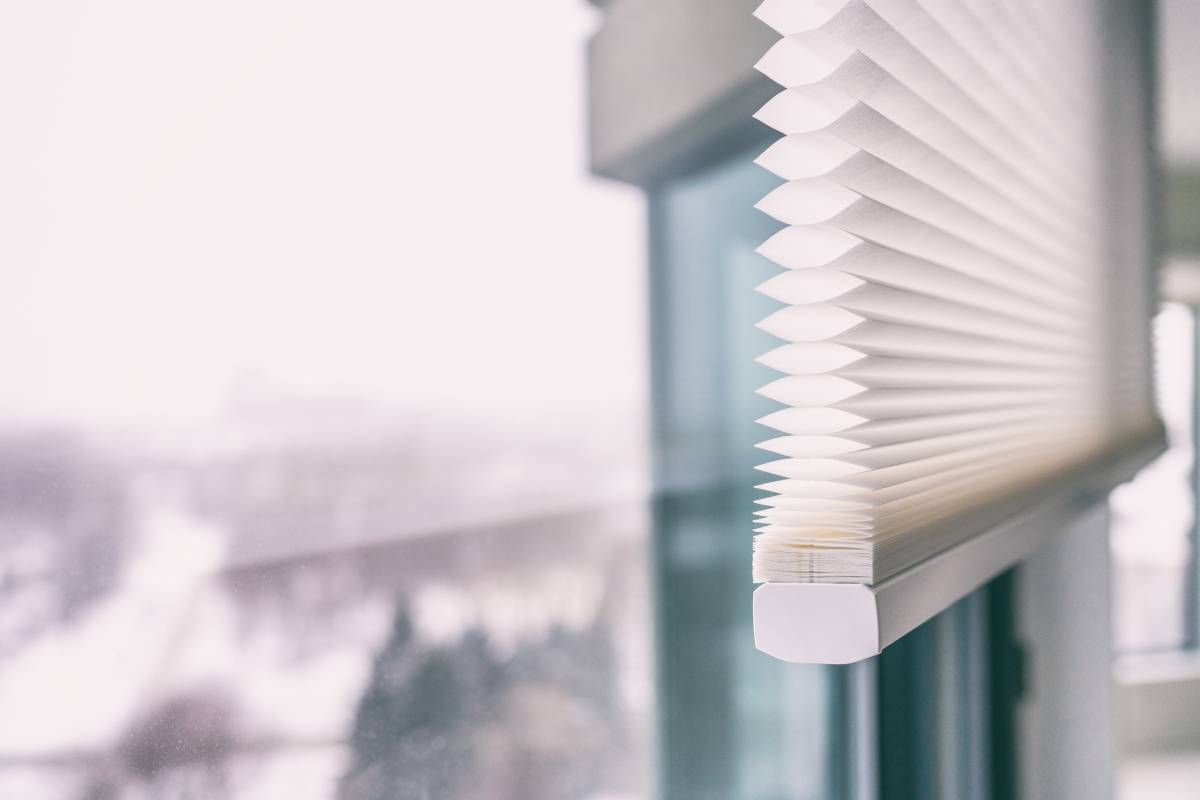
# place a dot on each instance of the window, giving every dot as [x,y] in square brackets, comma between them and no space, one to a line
[1154,515]
[357,443]
[306,491]
[735,722]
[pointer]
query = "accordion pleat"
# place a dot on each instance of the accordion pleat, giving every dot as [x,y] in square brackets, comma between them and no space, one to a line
[942,286]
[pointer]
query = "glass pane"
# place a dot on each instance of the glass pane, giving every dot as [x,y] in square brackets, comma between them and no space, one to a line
[322,434]
[736,723]
[1153,515]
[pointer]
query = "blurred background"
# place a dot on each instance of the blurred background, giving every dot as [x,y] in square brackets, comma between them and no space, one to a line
[327,440]
[322,435]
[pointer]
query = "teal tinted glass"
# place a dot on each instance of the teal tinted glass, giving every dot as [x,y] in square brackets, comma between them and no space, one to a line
[735,723]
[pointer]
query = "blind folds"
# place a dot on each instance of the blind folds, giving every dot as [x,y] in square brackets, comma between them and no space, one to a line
[956,322]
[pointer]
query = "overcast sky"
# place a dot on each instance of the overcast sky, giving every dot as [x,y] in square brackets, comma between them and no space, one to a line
[371,197]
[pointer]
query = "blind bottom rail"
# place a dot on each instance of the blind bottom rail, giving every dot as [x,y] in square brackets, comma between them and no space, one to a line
[841,623]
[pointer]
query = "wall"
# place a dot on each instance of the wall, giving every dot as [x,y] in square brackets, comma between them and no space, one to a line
[1066,718]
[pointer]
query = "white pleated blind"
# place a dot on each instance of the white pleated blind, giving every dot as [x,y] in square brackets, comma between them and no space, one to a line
[956,325]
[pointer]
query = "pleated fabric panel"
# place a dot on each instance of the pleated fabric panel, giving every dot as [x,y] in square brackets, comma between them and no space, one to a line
[945,296]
